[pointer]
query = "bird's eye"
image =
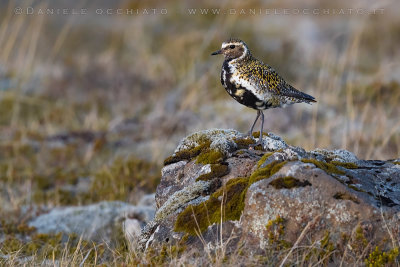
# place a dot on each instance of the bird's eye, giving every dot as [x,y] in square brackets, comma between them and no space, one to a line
[232,46]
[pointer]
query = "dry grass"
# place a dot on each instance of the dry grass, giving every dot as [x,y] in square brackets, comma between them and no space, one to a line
[354,250]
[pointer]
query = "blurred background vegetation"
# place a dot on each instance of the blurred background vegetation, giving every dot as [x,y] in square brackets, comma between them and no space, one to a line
[91,104]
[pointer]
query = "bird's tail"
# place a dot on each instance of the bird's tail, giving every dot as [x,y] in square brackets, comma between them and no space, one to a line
[308,98]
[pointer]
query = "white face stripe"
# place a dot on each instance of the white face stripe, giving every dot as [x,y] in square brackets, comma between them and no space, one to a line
[224,45]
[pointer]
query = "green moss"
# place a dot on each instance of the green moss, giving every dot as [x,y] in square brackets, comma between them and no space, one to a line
[257,134]
[355,188]
[379,258]
[331,167]
[267,171]
[288,183]
[327,167]
[345,196]
[347,165]
[210,157]
[264,158]
[217,170]
[244,143]
[229,200]
[187,154]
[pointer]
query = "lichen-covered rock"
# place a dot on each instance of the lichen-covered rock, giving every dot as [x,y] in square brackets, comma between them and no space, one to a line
[220,139]
[216,185]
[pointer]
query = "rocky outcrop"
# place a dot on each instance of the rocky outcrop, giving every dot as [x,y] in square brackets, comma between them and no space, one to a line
[215,186]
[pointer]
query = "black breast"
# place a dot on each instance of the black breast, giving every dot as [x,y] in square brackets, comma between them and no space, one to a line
[226,74]
[246,98]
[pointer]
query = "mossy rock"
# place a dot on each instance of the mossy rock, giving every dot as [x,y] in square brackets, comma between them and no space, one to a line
[257,134]
[229,199]
[264,158]
[210,157]
[217,170]
[267,171]
[187,154]
[329,168]
[288,183]
[244,143]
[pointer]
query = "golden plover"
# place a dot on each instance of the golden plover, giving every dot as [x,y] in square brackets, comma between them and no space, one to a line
[253,83]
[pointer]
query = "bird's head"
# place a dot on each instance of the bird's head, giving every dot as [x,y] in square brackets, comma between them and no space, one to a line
[233,49]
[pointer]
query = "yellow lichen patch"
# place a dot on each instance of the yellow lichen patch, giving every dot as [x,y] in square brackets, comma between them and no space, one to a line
[217,170]
[288,183]
[227,203]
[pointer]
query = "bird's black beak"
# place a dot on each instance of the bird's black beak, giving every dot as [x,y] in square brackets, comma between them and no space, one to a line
[216,53]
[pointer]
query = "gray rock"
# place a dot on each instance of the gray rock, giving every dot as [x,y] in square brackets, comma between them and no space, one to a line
[98,222]
[333,186]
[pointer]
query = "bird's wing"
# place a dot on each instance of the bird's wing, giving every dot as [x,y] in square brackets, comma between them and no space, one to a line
[269,81]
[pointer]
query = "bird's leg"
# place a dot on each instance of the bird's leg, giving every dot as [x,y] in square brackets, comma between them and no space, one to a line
[260,139]
[254,123]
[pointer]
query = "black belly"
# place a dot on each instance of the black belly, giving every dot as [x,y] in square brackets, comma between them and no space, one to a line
[247,98]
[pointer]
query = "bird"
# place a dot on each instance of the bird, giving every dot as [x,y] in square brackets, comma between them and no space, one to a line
[255,84]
